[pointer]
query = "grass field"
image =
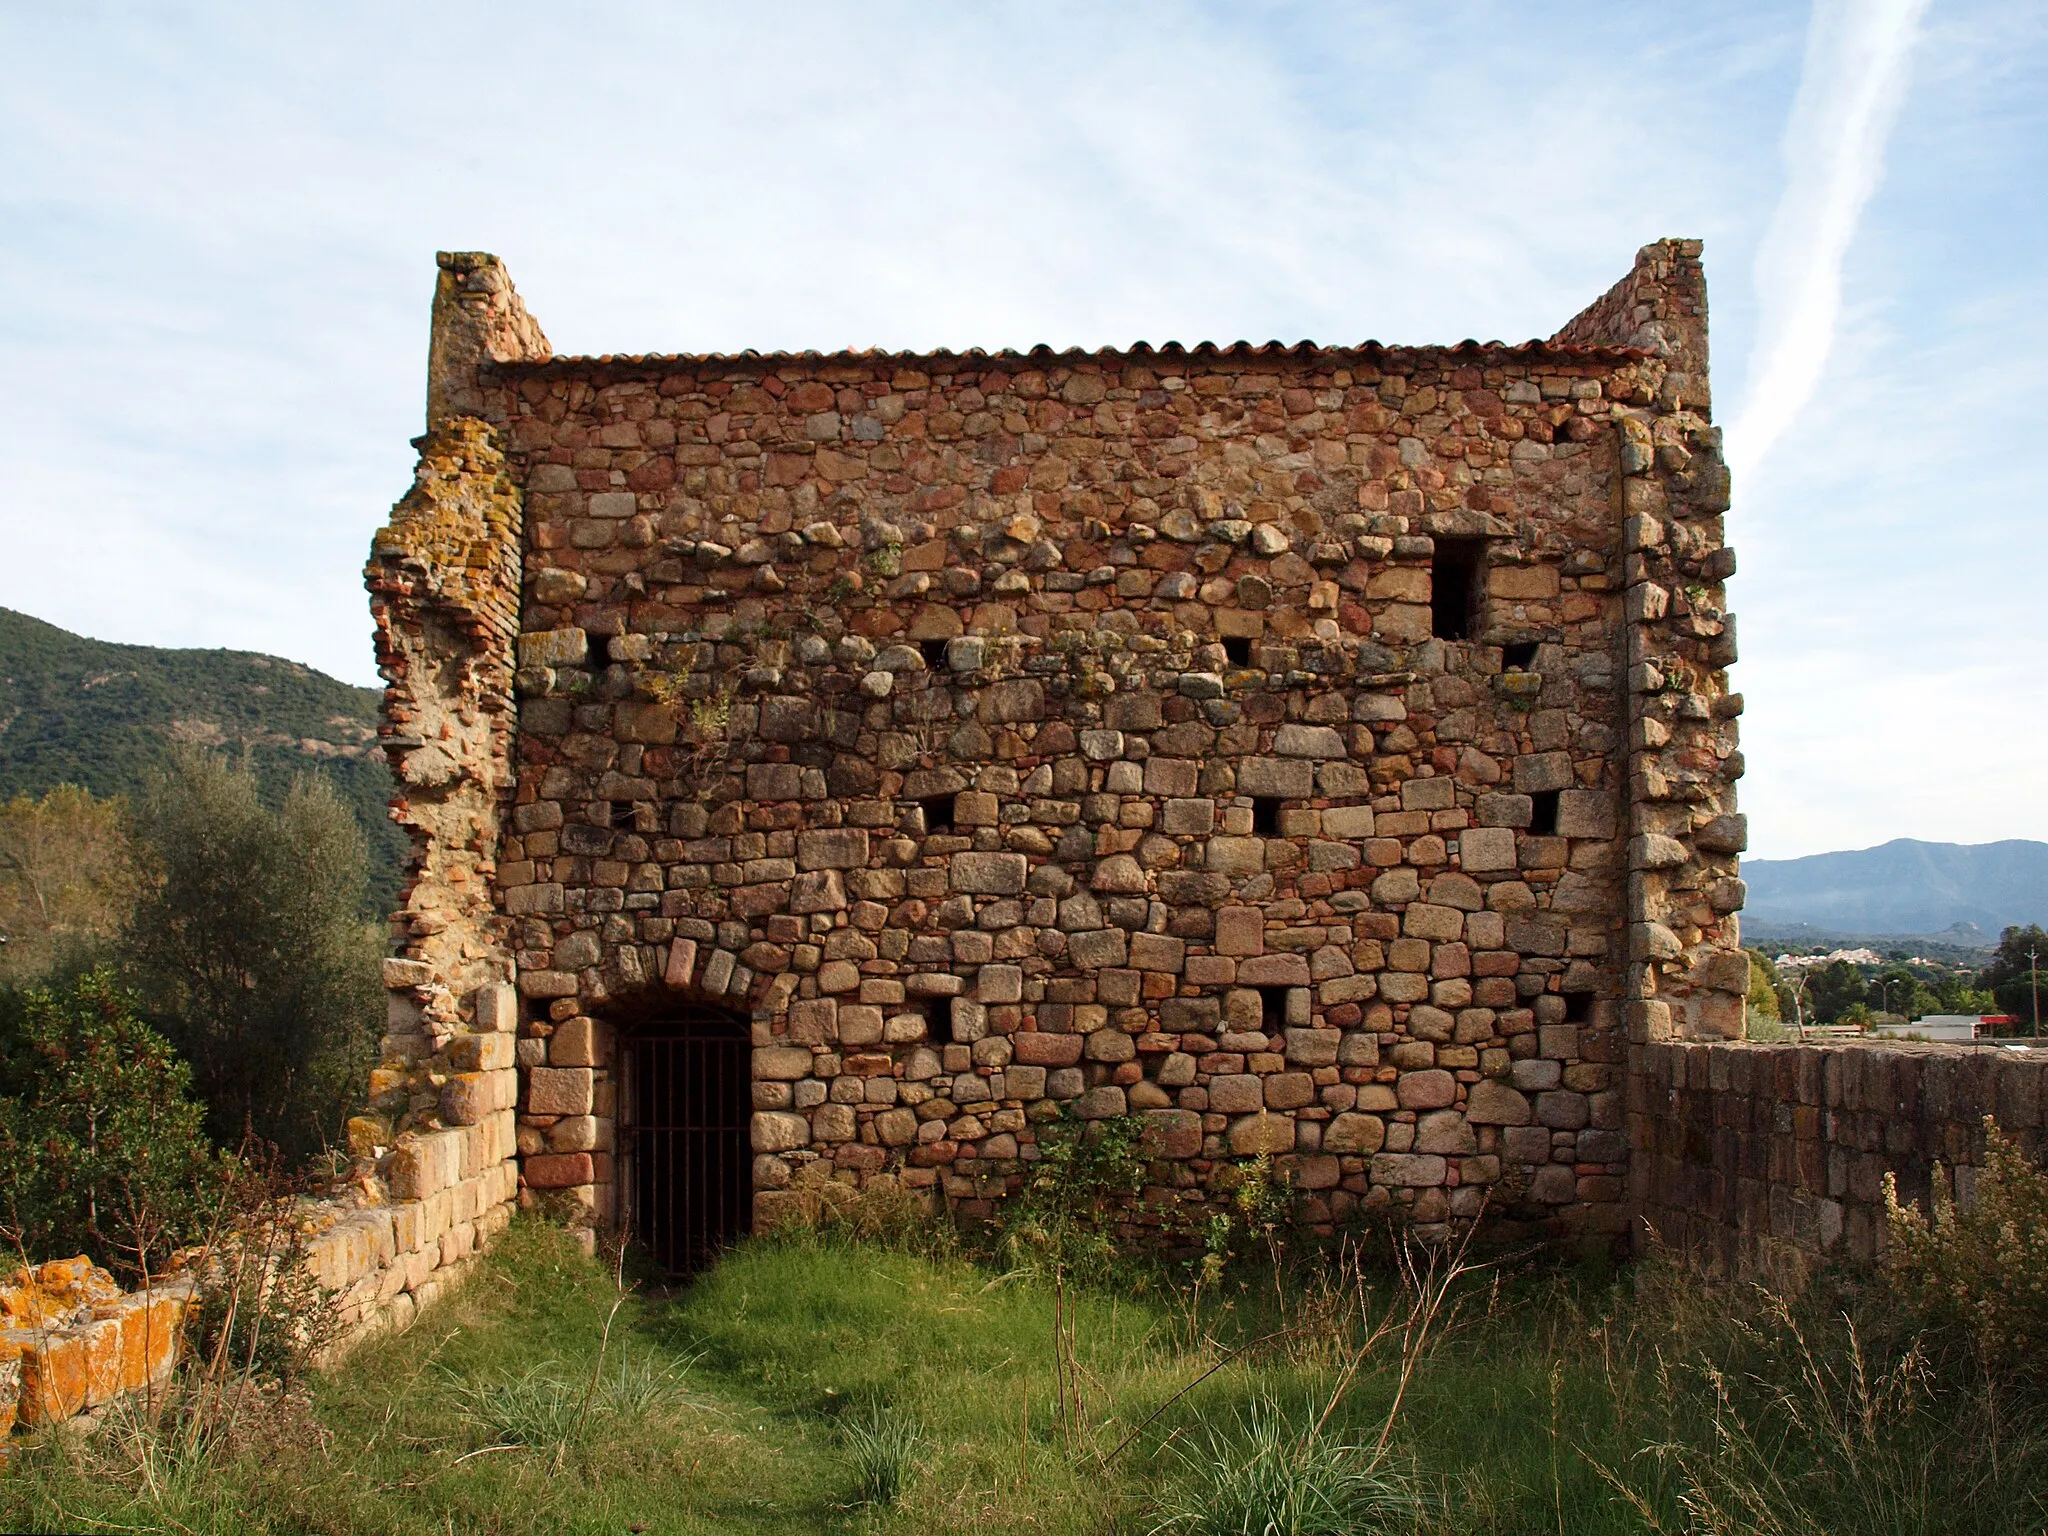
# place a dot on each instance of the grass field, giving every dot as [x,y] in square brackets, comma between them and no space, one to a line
[812,1385]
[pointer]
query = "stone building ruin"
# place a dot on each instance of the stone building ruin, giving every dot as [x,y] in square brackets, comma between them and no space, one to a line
[857,759]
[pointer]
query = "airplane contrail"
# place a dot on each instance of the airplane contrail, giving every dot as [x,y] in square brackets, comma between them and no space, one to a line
[1850,91]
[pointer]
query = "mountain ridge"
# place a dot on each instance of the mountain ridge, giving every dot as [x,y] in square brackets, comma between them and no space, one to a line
[1903,887]
[103,714]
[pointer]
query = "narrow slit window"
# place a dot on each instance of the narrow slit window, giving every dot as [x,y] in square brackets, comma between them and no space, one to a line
[1519,656]
[1238,648]
[1454,588]
[933,651]
[1266,815]
[1543,812]
[938,812]
[1273,1009]
[1578,1007]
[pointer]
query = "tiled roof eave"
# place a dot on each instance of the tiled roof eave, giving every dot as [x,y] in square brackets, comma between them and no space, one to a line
[1041,355]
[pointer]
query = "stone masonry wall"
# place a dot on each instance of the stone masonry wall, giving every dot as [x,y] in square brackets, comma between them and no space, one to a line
[1687,976]
[1007,732]
[1769,1160]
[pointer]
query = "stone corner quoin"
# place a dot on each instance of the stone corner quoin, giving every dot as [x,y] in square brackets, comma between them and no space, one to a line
[1318,752]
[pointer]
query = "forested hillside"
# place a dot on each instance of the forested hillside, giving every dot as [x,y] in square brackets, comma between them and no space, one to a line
[101,715]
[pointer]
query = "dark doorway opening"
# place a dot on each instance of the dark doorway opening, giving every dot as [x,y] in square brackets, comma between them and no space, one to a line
[686,1185]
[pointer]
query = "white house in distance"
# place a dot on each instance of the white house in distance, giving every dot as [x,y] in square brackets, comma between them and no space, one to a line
[1963,1027]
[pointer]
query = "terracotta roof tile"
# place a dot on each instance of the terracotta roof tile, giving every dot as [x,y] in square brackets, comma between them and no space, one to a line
[1045,354]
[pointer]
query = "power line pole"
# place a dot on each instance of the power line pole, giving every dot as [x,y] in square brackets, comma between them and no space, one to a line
[2034,982]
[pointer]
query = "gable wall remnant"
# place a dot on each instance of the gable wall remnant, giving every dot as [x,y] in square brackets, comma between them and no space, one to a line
[435,1146]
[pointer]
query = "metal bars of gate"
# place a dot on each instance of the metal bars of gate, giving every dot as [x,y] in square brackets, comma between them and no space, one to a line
[687,1177]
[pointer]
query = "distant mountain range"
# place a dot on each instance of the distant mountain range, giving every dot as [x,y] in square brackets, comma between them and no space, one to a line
[101,715]
[1963,893]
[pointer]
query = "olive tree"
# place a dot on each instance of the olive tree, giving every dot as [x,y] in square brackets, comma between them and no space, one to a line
[251,952]
[64,886]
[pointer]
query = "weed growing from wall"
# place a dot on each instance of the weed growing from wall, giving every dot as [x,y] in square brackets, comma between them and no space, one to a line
[1064,1220]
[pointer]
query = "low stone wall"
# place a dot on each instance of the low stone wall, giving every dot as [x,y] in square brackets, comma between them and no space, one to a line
[1769,1160]
[447,1194]
[70,1340]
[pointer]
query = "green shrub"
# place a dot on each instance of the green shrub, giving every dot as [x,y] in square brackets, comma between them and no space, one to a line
[102,1151]
[1984,1265]
[1258,1202]
[263,1314]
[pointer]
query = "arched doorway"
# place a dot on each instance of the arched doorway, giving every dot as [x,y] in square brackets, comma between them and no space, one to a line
[686,1185]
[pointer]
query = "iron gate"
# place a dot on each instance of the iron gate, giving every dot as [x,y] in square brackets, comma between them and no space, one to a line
[686,1169]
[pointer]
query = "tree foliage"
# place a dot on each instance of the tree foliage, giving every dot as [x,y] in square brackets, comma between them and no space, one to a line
[65,887]
[249,948]
[1763,986]
[2009,978]
[1833,990]
[102,1150]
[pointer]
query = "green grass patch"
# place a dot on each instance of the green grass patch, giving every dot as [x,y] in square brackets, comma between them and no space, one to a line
[836,1386]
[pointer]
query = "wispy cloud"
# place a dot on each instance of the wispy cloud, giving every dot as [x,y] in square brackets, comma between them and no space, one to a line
[1854,80]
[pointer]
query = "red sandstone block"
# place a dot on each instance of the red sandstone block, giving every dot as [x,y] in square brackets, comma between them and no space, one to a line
[1035,1049]
[558,1170]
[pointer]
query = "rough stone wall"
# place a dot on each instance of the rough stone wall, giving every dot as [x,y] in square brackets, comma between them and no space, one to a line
[1660,308]
[1769,1160]
[1687,975]
[775,608]
[70,1340]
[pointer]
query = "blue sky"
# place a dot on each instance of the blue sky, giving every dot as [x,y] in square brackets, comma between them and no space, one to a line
[217,226]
